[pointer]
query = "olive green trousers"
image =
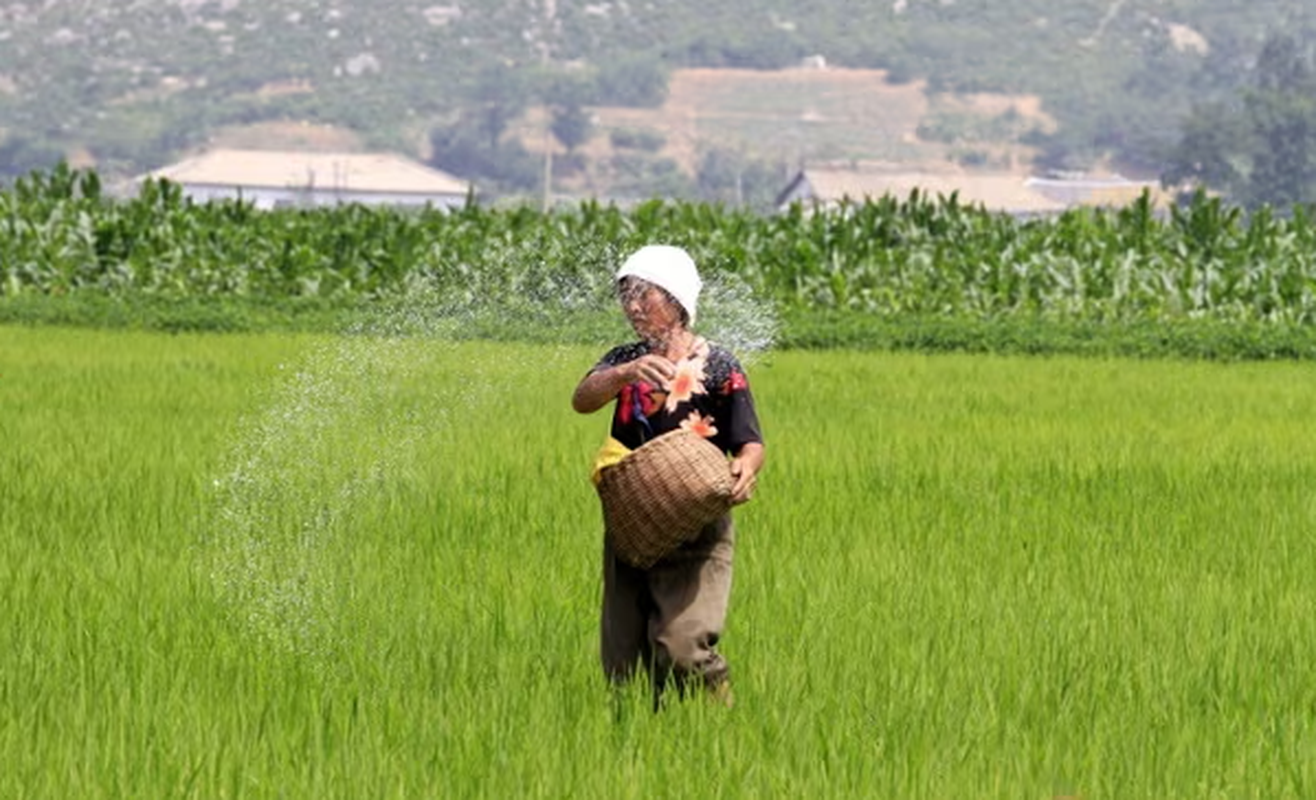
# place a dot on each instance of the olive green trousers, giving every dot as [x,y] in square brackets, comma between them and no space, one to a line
[668,619]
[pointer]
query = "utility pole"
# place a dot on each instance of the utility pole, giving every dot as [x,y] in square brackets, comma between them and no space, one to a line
[548,159]
[550,11]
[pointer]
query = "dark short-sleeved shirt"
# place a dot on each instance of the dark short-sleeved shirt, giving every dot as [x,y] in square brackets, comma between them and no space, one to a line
[709,395]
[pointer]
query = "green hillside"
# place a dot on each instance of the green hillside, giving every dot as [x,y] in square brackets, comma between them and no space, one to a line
[129,86]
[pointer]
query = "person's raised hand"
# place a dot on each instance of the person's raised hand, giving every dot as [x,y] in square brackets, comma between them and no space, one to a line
[652,369]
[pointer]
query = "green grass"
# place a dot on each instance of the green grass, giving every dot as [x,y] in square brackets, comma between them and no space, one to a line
[964,575]
[790,328]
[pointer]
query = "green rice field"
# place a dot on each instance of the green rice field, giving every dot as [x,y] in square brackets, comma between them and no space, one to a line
[287,565]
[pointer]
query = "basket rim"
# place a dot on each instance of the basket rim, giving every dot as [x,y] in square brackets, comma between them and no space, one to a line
[654,503]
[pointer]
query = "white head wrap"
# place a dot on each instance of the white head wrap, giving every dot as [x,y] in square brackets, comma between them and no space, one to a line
[668,267]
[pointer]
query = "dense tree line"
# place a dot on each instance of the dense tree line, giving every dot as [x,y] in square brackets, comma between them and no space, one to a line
[1258,146]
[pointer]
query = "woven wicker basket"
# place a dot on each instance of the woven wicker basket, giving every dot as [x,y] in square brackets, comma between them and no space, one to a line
[662,495]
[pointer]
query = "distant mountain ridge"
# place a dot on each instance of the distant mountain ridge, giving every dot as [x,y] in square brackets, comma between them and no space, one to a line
[138,81]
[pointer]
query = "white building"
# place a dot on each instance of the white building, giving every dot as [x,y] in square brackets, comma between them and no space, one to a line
[273,179]
[1110,190]
[993,191]
[998,192]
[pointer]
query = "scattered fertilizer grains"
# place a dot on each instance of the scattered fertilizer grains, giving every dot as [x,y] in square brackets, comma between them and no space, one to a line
[276,566]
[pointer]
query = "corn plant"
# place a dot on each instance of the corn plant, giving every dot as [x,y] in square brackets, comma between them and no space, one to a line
[886,257]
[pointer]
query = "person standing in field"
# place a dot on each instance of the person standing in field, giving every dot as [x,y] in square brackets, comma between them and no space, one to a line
[667,619]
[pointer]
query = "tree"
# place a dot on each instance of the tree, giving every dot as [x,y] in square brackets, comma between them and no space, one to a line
[1260,149]
[457,149]
[732,178]
[20,155]
[1210,149]
[571,125]
[472,145]
[637,81]
[498,95]
[1283,118]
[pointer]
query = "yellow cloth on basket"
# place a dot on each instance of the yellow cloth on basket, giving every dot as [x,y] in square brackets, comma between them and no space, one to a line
[610,453]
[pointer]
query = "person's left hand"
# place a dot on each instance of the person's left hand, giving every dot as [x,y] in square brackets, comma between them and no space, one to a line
[745,473]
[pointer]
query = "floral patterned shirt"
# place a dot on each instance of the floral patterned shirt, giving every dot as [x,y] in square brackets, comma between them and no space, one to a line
[709,395]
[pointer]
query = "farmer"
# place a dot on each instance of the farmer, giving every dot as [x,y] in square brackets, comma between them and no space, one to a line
[668,618]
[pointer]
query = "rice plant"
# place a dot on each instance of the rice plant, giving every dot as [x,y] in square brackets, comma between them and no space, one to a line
[962,576]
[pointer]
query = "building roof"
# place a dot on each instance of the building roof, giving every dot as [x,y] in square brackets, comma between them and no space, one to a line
[993,191]
[1114,190]
[344,172]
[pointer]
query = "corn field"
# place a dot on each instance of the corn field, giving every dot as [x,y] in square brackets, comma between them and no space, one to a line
[61,234]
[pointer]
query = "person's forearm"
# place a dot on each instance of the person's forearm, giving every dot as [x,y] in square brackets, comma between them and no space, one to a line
[751,453]
[598,389]
[745,469]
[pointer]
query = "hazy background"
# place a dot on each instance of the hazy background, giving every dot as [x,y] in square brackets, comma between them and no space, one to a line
[675,98]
